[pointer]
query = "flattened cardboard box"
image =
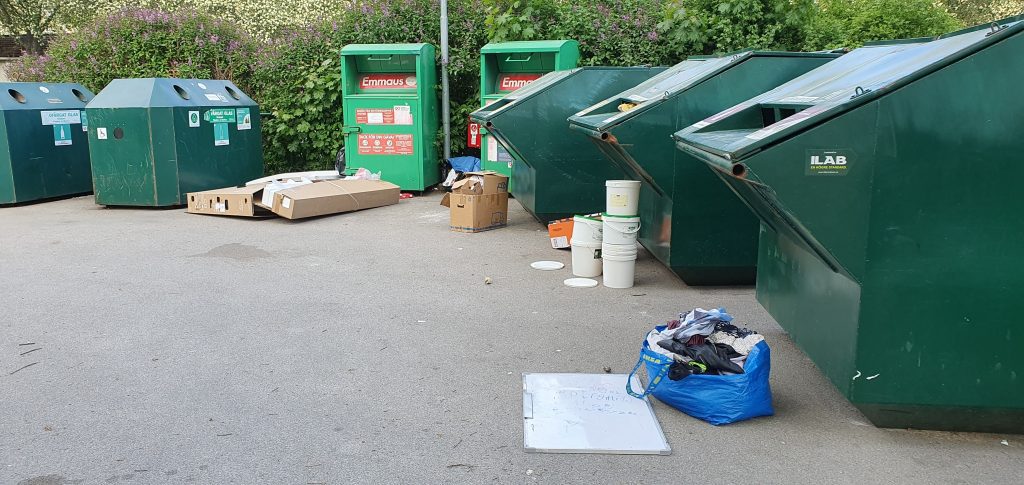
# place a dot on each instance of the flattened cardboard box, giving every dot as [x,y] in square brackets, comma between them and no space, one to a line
[230,201]
[332,197]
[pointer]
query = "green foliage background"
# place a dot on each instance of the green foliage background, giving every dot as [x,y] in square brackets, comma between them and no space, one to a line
[291,66]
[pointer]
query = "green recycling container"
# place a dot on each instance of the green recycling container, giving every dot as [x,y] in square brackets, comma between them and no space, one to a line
[888,182]
[391,112]
[152,141]
[44,150]
[508,66]
[556,173]
[688,220]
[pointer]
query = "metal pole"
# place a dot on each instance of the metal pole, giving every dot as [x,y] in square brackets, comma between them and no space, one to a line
[445,103]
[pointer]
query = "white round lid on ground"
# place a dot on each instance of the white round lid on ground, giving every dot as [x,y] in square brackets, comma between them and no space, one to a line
[547,265]
[580,283]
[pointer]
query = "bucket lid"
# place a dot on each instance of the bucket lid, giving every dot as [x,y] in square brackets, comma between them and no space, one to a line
[580,283]
[589,217]
[547,265]
[621,183]
[613,216]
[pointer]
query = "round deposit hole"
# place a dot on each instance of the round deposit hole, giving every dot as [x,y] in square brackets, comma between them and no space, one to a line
[181,92]
[80,95]
[232,92]
[118,133]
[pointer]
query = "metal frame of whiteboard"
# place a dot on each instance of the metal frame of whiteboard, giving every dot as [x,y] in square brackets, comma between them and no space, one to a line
[637,414]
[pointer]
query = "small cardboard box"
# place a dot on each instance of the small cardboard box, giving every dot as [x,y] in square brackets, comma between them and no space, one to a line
[478,202]
[560,232]
[231,201]
[333,197]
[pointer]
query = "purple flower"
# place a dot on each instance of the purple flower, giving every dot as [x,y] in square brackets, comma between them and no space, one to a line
[652,36]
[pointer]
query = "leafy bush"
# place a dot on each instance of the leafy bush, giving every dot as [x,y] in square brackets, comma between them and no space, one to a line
[143,43]
[719,26]
[851,23]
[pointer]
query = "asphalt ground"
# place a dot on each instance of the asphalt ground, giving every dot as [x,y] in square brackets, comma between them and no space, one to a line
[367,348]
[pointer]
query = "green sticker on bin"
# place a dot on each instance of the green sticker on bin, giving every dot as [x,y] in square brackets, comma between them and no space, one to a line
[61,135]
[220,134]
[220,115]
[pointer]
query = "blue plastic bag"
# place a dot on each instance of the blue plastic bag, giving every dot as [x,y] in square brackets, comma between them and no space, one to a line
[715,399]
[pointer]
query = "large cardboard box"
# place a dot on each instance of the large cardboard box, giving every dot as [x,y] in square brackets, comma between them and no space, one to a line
[333,196]
[478,202]
[295,201]
[231,201]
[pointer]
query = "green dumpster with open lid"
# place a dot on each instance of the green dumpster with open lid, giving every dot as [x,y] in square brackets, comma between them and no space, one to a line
[44,150]
[152,141]
[888,183]
[508,66]
[557,173]
[689,221]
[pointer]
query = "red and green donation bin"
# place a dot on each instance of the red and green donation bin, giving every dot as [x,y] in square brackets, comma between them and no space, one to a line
[391,112]
[508,66]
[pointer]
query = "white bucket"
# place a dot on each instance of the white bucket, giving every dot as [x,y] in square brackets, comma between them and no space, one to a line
[586,259]
[622,197]
[619,264]
[586,229]
[620,230]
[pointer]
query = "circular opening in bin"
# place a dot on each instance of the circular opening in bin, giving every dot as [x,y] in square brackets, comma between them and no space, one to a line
[118,133]
[604,136]
[232,92]
[739,170]
[16,95]
[80,95]
[181,92]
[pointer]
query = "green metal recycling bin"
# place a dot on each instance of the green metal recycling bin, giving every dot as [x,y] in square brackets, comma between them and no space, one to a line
[151,141]
[508,66]
[44,150]
[391,112]
[688,220]
[557,173]
[888,184]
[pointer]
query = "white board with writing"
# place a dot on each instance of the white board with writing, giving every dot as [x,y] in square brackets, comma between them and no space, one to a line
[588,413]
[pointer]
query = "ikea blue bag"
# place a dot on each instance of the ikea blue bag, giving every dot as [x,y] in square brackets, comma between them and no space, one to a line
[715,399]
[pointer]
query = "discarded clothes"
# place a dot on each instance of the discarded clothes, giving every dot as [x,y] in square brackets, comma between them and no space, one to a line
[715,357]
[697,322]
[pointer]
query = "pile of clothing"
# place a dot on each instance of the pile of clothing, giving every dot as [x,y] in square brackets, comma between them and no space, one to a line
[703,342]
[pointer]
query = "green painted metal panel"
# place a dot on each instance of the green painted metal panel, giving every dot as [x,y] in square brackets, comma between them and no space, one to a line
[43,150]
[689,221]
[890,248]
[508,66]
[557,173]
[154,140]
[391,112]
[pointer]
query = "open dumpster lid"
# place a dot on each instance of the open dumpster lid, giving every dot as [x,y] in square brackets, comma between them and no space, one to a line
[674,81]
[852,80]
[535,88]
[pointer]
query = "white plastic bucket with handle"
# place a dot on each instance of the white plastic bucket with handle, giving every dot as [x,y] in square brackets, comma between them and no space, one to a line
[619,264]
[587,229]
[586,258]
[622,197]
[620,229]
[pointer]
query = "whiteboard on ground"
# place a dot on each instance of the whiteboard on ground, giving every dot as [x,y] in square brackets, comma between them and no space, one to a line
[588,413]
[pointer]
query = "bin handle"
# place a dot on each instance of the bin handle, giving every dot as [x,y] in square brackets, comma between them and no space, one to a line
[995,28]
[510,59]
[375,58]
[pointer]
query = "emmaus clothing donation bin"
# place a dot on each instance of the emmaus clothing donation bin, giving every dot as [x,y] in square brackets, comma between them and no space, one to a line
[391,112]
[887,183]
[688,220]
[152,141]
[557,174]
[44,150]
[508,66]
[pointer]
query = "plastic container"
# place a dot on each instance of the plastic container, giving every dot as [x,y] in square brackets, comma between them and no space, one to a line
[622,197]
[620,229]
[619,265]
[586,259]
[586,229]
